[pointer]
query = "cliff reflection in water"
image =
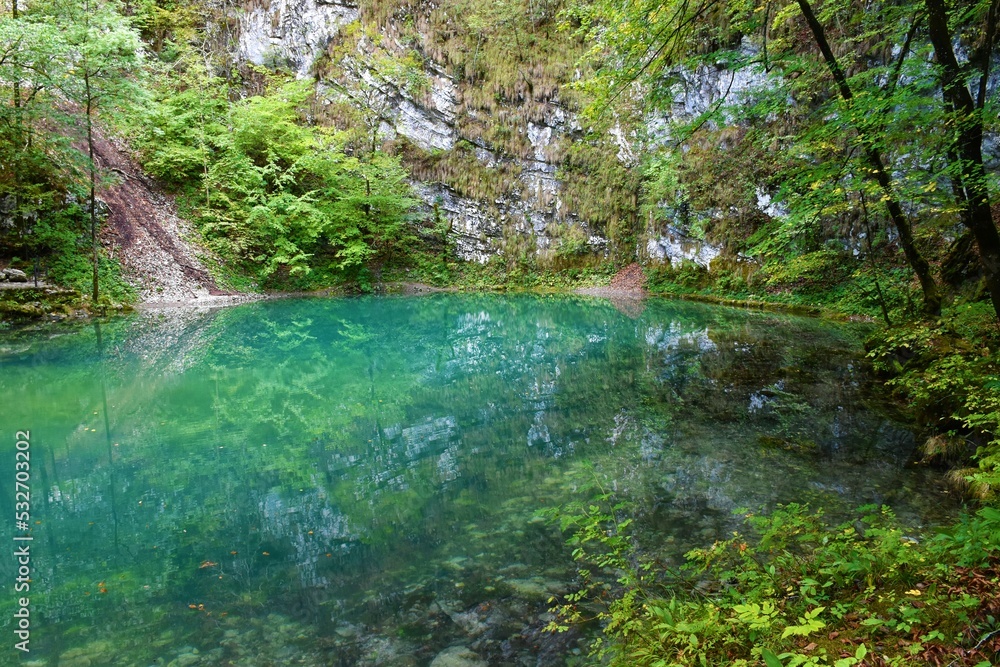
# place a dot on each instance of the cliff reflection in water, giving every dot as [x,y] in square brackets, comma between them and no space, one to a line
[355,481]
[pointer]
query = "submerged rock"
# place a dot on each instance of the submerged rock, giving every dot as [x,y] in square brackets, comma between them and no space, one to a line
[75,661]
[536,588]
[794,445]
[468,621]
[457,656]
[184,660]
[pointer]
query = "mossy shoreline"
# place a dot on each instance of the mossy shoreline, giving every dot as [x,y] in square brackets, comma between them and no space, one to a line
[55,304]
[32,305]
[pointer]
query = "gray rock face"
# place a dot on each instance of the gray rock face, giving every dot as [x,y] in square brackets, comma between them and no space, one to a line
[674,247]
[476,234]
[991,140]
[431,126]
[292,32]
[297,32]
[698,90]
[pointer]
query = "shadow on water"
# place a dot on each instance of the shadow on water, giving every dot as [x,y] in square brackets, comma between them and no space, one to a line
[357,481]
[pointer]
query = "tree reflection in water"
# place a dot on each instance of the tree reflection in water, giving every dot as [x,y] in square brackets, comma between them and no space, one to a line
[358,477]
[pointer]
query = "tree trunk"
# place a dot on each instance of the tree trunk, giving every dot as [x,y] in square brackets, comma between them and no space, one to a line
[93,184]
[871,260]
[987,54]
[932,298]
[204,163]
[16,92]
[17,77]
[975,199]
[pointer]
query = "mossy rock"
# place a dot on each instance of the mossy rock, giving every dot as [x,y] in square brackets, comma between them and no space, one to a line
[37,301]
[793,445]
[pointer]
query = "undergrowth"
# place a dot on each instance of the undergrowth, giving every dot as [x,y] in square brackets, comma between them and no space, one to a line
[791,589]
[523,272]
[813,280]
[947,373]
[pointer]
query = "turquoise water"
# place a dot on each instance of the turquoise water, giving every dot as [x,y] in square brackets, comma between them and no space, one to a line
[357,481]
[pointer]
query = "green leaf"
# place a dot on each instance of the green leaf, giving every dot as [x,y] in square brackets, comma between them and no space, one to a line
[770,659]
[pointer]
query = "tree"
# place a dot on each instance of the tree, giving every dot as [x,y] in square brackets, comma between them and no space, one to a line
[35,167]
[103,53]
[875,56]
[286,199]
[965,112]
[878,171]
[28,51]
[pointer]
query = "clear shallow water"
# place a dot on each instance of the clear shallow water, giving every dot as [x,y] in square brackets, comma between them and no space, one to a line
[340,482]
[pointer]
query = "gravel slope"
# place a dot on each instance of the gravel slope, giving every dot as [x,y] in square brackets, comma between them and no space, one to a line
[145,234]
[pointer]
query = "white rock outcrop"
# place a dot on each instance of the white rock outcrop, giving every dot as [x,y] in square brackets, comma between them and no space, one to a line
[675,247]
[292,32]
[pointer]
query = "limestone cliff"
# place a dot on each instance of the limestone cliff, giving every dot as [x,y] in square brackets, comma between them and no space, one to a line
[493,142]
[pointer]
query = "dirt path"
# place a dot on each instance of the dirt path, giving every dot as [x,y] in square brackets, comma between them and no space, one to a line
[629,282]
[145,234]
[627,291]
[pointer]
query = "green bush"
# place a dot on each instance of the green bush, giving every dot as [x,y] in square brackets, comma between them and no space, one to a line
[794,590]
[273,195]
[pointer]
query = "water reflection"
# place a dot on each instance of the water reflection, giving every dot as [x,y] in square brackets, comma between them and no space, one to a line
[355,481]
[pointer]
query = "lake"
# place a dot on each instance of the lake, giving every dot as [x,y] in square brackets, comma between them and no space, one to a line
[358,481]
